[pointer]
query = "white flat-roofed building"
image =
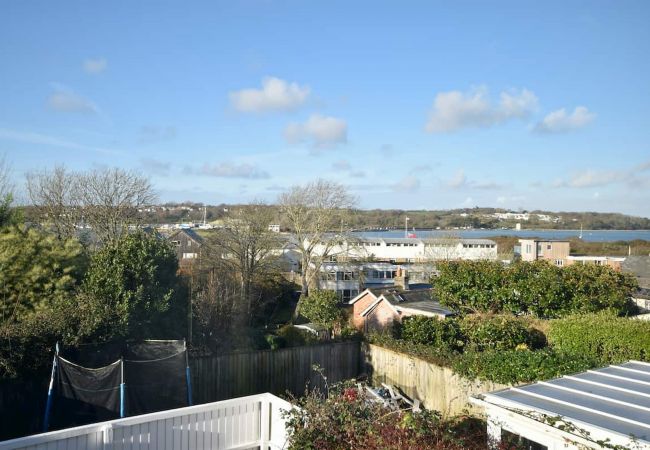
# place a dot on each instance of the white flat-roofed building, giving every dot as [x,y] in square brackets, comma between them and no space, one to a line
[408,250]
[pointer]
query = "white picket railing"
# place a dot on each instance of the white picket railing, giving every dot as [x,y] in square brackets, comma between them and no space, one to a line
[248,422]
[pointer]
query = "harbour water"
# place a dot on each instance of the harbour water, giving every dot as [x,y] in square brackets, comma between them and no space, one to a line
[587,235]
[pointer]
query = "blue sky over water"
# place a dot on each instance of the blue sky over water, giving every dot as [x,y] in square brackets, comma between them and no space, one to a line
[534,105]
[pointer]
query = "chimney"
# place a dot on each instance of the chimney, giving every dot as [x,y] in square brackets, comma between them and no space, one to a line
[402,279]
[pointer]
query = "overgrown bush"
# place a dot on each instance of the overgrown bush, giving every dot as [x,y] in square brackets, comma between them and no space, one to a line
[499,332]
[603,336]
[445,334]
[520,366]
[345,419]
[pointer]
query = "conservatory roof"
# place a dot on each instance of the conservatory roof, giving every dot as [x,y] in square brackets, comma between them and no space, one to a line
[614,399]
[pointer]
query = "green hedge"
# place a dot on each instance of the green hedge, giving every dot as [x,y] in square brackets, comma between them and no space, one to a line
[499,332]
[603,336]
[438,333]
[519,366]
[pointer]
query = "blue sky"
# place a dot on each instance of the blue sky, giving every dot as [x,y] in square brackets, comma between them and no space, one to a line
[534,105]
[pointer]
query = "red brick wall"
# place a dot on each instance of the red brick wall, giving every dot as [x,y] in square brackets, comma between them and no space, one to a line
[381,317]
[358,307]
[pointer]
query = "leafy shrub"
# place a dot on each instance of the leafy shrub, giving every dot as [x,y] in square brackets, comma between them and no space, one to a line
[321,307]
[498,332]
[275,342]
[431,331]
[435,355]
[602,336]
[537,288]
[517,366]
[294,337]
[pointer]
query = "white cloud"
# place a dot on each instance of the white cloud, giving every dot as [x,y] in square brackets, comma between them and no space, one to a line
[455,110]
[65,100]
[95,66]
[275,95]
[42,139]
[321,131]
[561,122]
[407,184]
[634,177]
[230,170]
[459,180]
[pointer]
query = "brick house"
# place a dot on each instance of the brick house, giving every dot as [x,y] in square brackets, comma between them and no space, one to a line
[378,309]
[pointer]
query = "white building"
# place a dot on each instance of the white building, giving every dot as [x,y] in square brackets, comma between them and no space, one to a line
[408,250]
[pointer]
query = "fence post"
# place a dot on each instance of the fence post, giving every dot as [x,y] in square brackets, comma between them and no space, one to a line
[188,376]
[265,424]
[107,436]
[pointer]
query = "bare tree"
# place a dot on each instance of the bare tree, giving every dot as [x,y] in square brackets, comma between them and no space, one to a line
[6,192]
[111,199]
[55,195]
[107,200]
[318,214]
[247,249]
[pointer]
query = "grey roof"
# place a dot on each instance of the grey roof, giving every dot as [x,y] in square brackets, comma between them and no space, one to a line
[639,266]
[190,233]
[415,299]
[426,240]
[615,399]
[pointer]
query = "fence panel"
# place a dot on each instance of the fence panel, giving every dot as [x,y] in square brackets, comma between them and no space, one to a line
[233,375]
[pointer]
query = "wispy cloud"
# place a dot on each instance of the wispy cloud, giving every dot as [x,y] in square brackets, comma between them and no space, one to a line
[64,99]
[51,141]
[320,131]
[635,176]
[149,134]
[95,66]
[561,122]
[455,110]
[460,181]
[341,165]
[155,166]
[409,183]
[275,95]
[232,170]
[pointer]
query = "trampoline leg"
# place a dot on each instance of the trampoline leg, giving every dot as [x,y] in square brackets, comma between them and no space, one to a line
[122,400]
[189,385]
[50,392]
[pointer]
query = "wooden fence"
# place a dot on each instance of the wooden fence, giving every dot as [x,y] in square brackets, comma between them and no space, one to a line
[436,387]
[276,371]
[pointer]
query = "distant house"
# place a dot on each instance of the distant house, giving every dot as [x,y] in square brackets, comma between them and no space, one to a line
[639,267]
[377,309]
[553,251]
[187,244]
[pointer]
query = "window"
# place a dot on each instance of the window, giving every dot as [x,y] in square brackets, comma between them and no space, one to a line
[176,243]
[548,246]
[559,262]
[189,243]
[189,255]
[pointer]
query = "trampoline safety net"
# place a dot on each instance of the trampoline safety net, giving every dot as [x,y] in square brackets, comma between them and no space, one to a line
[142,377]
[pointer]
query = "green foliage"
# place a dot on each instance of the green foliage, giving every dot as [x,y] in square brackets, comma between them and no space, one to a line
[536,288]
[519,366]
[441,356]
[321,307]
[602,336]
[294,337]
[499,332]
[36,270]
[444,334]
[275,342]
[131,285]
